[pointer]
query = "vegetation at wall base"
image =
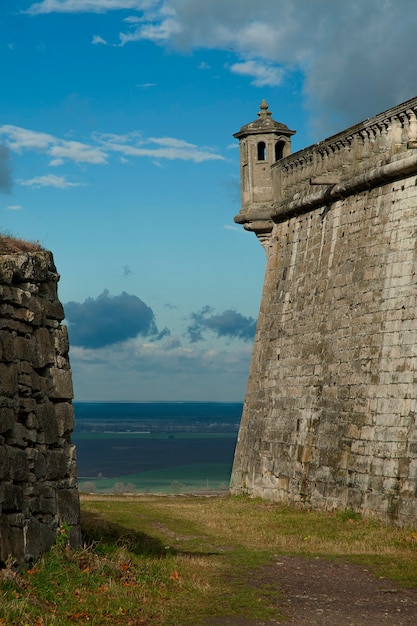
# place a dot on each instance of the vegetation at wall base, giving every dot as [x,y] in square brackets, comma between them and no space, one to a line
[183,560]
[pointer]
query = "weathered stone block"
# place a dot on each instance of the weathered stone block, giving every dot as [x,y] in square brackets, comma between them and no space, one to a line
[61,342]
[47,422]
[24,349]
[20,436]
[43,499]
[37,463]
[38,539]
[11,541]
[54,311]
[13,498]
[57,465]
[18,464]
[8,380]
[60,387]
[44,351]
[4,463]
[7,419]
[64,416]
[68,506]
[7,346]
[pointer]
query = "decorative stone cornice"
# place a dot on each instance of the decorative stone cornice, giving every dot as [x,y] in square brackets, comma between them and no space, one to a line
[400,168]
[368,145]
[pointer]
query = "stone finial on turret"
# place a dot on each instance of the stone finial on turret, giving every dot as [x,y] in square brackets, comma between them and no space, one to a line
[264,109]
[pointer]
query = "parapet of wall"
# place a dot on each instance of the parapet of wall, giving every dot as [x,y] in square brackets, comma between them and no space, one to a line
[38,482]
[349,155]
[330,415]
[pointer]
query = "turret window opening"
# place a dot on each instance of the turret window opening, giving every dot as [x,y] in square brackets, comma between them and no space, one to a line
[279,150]
[261,151]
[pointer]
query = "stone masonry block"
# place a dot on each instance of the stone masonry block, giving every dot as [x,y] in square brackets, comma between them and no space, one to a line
[38,538]
[57,464]
[13,498]
[44,351]
[54,310]
[7,419]
[61,384]
[11,541]
[64,415]
[4,463]
[61,342]
[7,346]
[24,348]
[37,463]
[68,506]
[48,424]
[18,464]
[8,380]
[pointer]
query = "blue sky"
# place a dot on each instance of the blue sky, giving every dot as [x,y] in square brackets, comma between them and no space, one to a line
[116,153]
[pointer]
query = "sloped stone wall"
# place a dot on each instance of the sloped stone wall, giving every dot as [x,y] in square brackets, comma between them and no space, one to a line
[38,482]
[330,414]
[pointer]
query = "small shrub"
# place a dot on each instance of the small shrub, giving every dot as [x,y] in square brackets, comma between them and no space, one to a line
[349,516]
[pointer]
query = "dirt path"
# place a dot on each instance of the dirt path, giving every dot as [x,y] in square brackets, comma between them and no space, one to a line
[325,593]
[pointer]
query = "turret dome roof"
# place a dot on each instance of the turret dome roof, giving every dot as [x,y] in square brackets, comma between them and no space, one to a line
[264,124]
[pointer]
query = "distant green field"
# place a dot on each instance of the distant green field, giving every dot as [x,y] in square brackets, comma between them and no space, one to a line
[198,477]
[134,462]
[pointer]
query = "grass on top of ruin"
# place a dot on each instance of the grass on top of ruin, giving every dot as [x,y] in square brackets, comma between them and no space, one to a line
[13,245]
[180,560]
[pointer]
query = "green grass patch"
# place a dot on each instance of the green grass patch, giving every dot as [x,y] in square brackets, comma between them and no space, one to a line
[180,560]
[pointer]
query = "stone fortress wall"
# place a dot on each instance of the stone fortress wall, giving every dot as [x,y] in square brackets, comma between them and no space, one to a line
[329,418]
[38,482]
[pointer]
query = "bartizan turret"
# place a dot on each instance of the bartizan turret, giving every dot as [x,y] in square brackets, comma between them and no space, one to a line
[262,143]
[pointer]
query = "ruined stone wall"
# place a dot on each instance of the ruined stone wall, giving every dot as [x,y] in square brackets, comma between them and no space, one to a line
[330,412]
[38,483]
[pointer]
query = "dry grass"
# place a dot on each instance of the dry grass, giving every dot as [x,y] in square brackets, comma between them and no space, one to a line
[273,528]
[13,245]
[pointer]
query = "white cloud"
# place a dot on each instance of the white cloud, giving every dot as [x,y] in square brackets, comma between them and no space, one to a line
[98,152]
[85,6]
[171,142]
[50,180]
[14,207]
[98,40]
[134,145]
[19,139]
[262,74]
[132,19]
[77,152]
[165,370]
[354,56]
[354,62]
[160,32]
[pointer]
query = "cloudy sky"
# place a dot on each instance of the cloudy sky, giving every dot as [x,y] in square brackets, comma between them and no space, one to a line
[116,153]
